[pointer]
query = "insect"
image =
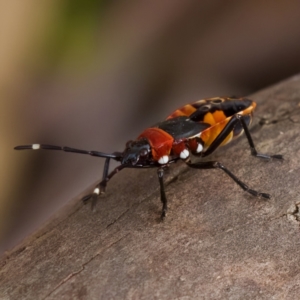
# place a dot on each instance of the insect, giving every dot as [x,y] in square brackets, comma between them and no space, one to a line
[196,129]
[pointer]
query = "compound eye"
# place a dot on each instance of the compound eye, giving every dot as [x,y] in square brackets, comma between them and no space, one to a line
[144,152]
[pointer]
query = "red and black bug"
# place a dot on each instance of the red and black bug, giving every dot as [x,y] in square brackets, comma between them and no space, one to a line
[195,129]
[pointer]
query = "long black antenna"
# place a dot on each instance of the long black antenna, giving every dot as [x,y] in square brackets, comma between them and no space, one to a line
[115,155]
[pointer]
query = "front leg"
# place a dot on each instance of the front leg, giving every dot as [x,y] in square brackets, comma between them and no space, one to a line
[163,198]
[100,187]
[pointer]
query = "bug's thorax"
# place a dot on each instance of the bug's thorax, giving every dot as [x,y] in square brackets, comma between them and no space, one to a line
[161,143]
[166,147]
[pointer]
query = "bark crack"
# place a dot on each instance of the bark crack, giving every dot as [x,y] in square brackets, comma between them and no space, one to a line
[82,268]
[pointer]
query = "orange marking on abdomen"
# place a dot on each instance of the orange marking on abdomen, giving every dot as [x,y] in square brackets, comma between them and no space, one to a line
[186,110]
[219,116]
[209,119]
[215,117]
[210,134]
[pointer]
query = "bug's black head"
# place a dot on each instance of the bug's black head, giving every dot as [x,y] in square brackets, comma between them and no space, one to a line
[137,152]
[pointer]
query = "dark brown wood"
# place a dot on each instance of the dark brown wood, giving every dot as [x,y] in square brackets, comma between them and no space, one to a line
[217,241]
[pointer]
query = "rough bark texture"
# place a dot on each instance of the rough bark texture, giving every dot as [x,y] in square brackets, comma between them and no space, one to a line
[217,241]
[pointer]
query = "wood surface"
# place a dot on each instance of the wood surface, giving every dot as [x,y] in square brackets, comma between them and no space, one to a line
[217,241]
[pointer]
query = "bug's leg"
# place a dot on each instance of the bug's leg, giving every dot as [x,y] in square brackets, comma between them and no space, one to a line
[104,175]
[217,165]
[250,141]
[100,187]
[226,131]
[163,198]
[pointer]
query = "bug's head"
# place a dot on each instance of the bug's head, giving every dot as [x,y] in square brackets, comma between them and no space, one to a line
[137,152]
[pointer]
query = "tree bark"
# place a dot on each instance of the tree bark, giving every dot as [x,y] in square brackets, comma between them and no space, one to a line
[217,241]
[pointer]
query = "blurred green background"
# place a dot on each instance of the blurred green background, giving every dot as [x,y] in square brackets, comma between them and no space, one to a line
[94,74]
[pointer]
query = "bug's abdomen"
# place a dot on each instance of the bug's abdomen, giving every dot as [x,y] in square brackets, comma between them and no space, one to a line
[214,110]
[217,112]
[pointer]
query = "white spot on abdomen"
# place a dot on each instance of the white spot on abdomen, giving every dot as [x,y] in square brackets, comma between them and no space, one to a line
[184,154]
[163,160]
[199,148]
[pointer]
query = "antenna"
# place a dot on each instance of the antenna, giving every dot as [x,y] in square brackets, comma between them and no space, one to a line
[116,155]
